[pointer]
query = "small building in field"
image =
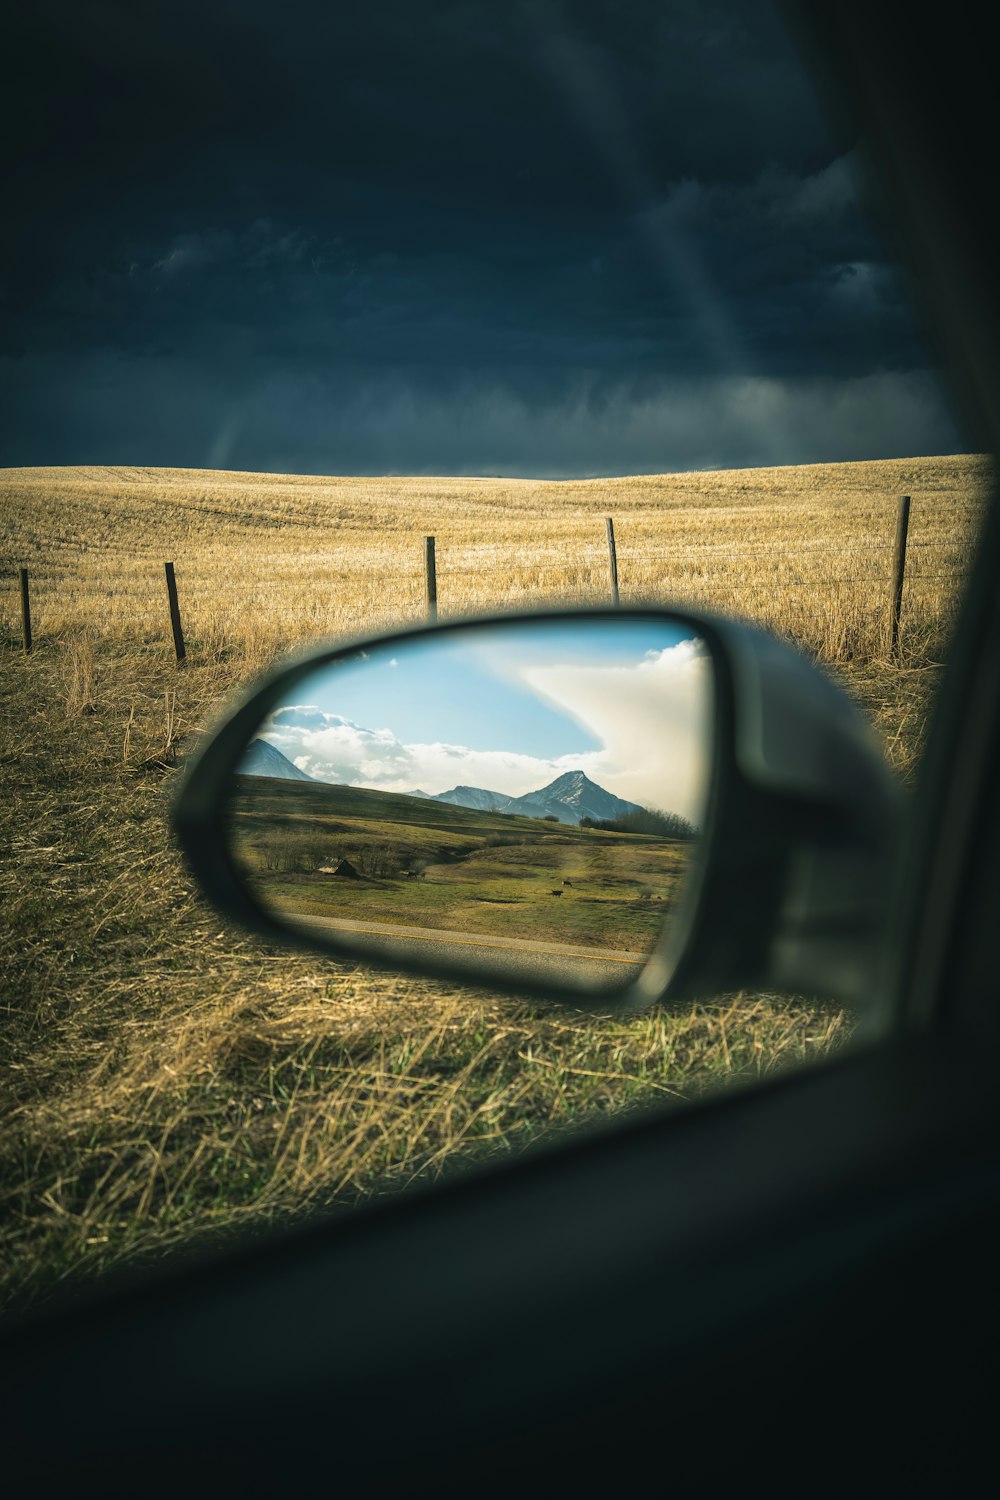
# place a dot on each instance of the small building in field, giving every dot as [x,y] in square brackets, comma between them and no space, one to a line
[343,868]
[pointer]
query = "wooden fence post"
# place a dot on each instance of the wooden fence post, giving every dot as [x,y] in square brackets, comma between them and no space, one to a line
[899,568]
[430,572]
[613,562]
[25,612]
[175,614]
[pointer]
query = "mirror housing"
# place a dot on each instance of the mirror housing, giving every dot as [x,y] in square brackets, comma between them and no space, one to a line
[788,885]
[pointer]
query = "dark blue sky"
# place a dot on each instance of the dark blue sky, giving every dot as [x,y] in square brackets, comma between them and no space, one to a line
[524,238]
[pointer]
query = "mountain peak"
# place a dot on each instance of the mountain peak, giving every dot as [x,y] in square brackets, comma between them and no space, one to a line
[569,798]
[568,779]
[261,758]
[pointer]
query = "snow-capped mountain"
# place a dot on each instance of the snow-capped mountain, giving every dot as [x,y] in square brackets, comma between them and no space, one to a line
[262,759]
[582,798]
[569,798]
[478,798]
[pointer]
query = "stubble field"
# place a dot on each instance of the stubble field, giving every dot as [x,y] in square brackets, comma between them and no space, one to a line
[166,1080]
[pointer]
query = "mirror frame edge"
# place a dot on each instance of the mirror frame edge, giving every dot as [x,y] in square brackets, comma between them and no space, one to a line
[703,951]
[200,809]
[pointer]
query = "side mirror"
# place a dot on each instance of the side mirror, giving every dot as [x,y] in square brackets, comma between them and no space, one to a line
[604,807]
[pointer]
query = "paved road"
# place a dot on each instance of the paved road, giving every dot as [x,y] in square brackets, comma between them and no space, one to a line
[522,958]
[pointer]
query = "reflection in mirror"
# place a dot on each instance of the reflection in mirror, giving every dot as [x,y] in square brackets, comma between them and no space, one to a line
[518,801]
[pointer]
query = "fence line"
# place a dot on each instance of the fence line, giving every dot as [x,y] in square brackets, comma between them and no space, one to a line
[430,576]
[900,577]
[25,612]
[613,561]
[175,613]
[808,583]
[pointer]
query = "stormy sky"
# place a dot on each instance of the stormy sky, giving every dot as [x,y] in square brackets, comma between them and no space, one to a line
[542,237]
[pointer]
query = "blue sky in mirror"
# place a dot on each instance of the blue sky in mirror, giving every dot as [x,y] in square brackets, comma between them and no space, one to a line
[511,709]
[448,237]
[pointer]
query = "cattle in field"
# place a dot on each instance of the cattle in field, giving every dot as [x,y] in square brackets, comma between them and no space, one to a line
[555,893]
[567,882]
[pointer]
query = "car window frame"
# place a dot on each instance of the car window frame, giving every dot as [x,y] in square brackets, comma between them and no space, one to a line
[869,1342]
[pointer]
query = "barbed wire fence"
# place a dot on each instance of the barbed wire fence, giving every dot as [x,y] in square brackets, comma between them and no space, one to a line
[900,574]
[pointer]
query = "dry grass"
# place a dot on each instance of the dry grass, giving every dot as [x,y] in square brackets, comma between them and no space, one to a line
[166,1079]
[264,561]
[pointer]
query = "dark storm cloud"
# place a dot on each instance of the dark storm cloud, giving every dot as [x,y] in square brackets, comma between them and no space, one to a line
[587,237]
[398,424]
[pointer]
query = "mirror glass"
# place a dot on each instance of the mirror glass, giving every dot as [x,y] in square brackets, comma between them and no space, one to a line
[520,799]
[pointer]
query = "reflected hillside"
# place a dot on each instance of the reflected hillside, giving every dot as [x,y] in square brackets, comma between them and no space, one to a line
[322,851]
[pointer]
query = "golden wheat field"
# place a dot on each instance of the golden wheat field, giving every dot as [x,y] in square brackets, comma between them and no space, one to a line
[265,560]
[167,1080]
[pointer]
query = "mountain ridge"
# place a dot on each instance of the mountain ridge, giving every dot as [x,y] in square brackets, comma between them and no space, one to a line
[570,797]
[261,758]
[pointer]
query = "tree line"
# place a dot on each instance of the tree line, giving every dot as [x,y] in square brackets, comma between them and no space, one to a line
[663,825]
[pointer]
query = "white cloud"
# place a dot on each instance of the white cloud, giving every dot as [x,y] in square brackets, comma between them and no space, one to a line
[652,720]
[335,749]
